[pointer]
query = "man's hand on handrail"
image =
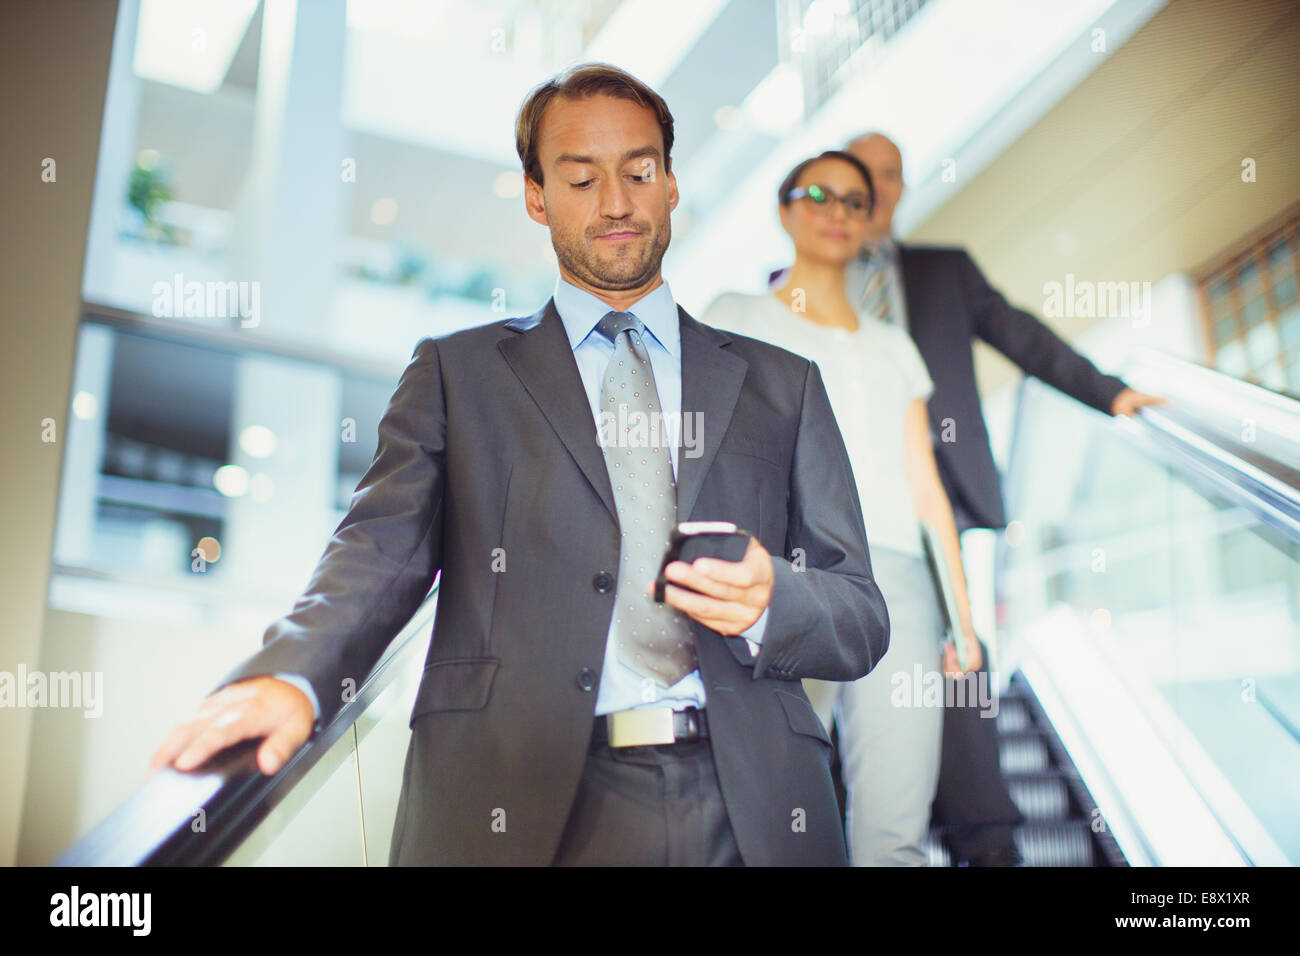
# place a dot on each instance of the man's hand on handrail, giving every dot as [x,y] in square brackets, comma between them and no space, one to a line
[1128,401]
[257,707]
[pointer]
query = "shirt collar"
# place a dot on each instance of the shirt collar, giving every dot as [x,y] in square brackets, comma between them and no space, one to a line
[580,311]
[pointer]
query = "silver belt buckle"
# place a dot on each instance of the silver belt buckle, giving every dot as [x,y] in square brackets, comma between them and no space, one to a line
[645,727]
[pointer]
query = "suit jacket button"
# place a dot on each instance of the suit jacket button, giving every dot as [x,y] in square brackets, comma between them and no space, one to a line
[587,678]
[603,581]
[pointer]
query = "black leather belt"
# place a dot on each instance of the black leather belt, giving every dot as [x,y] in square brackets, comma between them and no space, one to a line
[651,726]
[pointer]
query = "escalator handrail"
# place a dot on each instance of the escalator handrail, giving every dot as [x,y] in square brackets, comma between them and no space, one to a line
[1203,401]
[1259,475]
[1209,468]
[1191,429]
[1148,367]
[1183,434]
[158,825]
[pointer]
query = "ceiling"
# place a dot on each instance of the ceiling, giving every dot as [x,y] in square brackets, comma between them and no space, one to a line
[204,141]
[1136,173]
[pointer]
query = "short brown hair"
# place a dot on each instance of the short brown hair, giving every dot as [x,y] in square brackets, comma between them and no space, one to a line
[580,82]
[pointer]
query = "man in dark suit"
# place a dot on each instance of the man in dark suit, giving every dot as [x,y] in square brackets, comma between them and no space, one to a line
[942,299]
[944,302]
[564,716]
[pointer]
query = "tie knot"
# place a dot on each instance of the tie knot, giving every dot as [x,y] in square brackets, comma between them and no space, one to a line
[614,323]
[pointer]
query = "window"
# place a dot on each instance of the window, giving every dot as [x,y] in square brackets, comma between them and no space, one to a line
[1250,308]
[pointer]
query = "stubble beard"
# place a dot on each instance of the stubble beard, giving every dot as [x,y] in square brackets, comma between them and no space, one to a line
[580,260]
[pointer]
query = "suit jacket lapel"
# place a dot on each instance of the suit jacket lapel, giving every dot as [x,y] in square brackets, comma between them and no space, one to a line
[913,288]
[711,381]
[543,360]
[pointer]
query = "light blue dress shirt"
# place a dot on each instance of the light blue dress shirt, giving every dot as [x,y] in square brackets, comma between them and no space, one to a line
[622,688]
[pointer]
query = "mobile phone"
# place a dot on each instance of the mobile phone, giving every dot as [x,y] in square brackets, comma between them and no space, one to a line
[701,539]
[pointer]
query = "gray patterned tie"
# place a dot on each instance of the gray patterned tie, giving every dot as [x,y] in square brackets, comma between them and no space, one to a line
[876,298]
[654,640]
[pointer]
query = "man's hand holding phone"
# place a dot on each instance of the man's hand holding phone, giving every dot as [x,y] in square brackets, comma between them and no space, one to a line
[725,596]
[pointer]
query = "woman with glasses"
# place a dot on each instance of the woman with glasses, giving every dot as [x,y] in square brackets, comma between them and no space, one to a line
[891,721]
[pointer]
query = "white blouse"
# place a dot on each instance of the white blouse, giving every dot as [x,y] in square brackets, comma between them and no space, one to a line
[871,375]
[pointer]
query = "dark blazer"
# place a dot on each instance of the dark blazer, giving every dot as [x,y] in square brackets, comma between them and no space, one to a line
[949,304]
[488,442]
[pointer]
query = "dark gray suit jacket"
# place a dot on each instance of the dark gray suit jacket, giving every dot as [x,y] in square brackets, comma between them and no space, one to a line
[949,304]
[488,442]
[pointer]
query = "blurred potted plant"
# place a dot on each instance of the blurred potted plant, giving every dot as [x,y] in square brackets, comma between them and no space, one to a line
[147,191]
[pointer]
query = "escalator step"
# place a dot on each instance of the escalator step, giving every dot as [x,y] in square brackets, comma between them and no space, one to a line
[1040,797]
[1015,688]
[1055,844]
[1023,753]
[1013,716]
[935,851]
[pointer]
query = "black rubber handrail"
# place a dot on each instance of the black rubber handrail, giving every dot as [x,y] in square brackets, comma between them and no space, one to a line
[156,826]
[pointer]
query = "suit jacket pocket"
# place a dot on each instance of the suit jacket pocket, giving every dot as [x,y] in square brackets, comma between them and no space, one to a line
[803,719]
[457,684]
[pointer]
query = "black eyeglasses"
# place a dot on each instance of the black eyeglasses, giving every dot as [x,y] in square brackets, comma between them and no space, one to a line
[822,201]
